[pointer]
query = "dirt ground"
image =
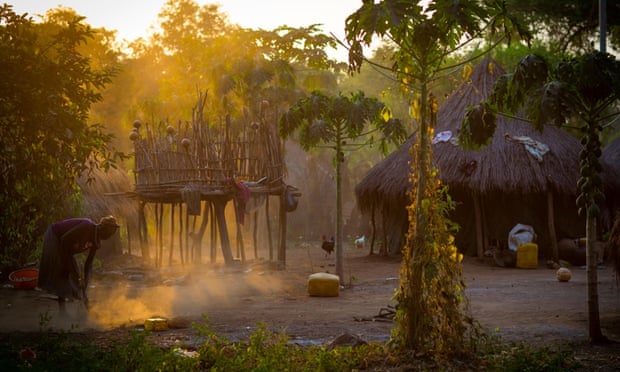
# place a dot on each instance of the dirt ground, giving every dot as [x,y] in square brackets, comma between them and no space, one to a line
[516,304]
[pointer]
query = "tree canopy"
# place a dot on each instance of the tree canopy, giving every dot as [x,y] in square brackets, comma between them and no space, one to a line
[46,141]
[569,24]
[343,124]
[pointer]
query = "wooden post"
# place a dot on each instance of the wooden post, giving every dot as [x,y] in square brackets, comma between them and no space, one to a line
[282,246]
[128,239]
[156,208]
[160,234]
[478,218]
[220,215]
[143,232]
[213,251]
[373,225]
[384,249]
[197,235]
[181,232]
[484,225]
[551,226]
[171,248]
[240,245]
[255,234]
[269,229]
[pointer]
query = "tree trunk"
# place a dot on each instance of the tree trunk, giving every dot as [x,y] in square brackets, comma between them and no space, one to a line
[411,326]
[594,321]
[339,247]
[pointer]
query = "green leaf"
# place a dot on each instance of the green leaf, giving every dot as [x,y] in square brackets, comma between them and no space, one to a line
[478,127]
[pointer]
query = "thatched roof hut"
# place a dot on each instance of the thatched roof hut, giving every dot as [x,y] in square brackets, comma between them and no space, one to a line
[611,159]
[383,191]
[611,152]
[508,182]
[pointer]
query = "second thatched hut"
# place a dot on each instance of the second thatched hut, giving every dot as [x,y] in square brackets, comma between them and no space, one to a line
[522,176]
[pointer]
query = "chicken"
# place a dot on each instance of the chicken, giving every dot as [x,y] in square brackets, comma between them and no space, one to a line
[359,242]
[328,245]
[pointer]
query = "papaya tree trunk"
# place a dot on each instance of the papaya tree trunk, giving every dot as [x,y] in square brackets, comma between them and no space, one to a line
[339,247]
[594,321]
[413,323]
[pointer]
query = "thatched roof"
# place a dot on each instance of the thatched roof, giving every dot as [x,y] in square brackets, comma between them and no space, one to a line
[611,153]
[610,160]
[98,199]
[504,165]
[387,182]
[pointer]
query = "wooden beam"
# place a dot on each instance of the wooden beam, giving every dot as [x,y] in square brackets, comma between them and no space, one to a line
[220,216]
[478,219]
[282,246]
[551,226]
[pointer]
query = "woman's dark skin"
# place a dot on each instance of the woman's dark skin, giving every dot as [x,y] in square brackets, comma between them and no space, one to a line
[59,271]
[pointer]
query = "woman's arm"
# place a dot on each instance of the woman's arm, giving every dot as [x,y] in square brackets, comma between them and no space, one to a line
[88,264]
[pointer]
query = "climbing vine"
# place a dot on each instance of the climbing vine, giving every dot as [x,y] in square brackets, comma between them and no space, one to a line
[430,315]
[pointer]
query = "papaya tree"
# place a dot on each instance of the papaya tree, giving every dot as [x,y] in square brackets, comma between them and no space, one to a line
[340,123]
[430,297]
[582,91]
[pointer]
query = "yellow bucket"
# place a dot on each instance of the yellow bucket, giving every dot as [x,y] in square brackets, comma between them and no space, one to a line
[527,256]
[156,324]
[323,285]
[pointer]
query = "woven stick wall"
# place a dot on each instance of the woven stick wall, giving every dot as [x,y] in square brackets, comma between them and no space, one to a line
[204,154]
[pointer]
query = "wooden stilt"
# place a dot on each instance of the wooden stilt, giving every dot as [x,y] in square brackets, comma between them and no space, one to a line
[143,232]
[384,228]
[485,226]
[478,218]
[190,250]
[128,239]
[269,229]
[282,245]
[255,234]
[373,225]
[197,235]
[213,252]
[157,229]
[240,245]
[171,248]
[220,216]
[181,233]
[160,234]
[551,225]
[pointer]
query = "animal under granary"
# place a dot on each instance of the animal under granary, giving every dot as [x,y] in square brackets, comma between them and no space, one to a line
[190,171]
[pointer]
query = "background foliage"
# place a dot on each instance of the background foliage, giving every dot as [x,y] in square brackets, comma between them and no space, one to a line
[47,88]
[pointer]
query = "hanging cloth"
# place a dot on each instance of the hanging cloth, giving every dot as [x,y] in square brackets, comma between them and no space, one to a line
[191,197]
[535,148]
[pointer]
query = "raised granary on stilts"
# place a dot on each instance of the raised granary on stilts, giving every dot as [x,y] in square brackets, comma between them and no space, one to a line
[187,173]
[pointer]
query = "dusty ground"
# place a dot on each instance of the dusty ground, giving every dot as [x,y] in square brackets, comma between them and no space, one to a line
[519,305]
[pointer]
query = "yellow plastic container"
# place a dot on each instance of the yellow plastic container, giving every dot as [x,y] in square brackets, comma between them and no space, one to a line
[323,285]
[156,324]
[527,256]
